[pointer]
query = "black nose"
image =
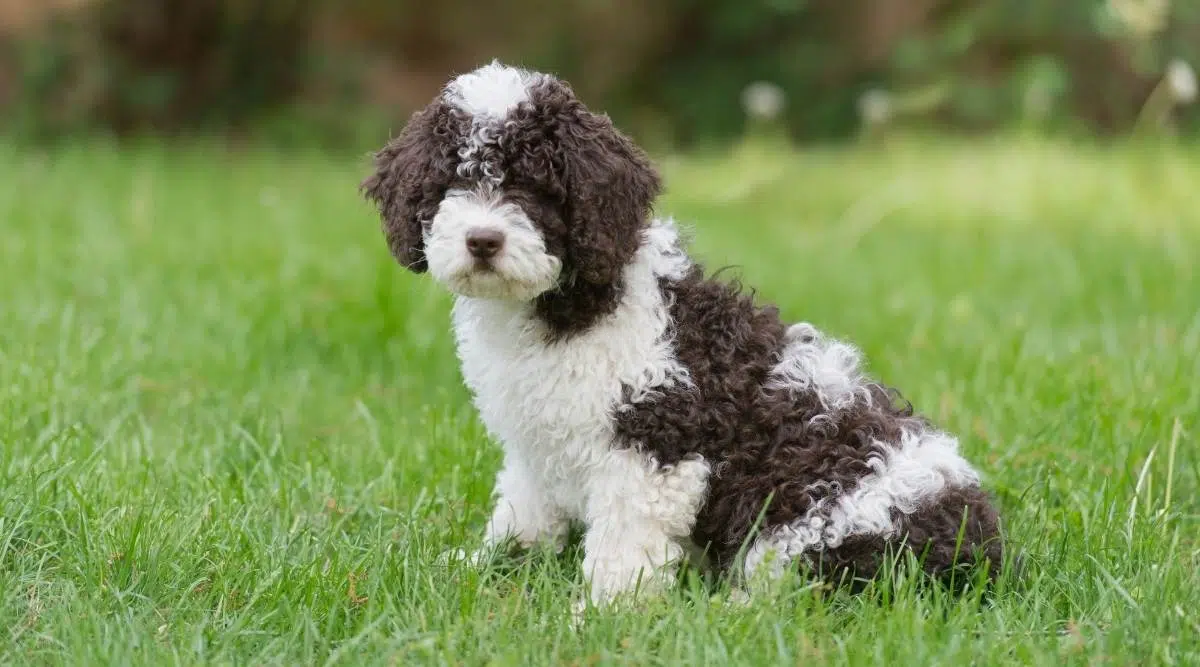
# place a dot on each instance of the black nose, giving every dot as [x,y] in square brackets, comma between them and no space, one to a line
[484,243]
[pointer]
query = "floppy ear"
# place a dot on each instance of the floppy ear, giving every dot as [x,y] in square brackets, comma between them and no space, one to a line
[412,173]
[611,187]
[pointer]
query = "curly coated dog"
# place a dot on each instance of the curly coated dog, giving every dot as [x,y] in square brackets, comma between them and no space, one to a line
[659,408]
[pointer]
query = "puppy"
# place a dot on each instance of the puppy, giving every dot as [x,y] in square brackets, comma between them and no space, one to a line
[661,409]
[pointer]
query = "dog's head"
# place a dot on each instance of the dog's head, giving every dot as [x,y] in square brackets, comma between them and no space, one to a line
[506,186]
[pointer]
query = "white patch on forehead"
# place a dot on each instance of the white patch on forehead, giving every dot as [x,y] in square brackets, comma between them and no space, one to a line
[487,95]
[490,91]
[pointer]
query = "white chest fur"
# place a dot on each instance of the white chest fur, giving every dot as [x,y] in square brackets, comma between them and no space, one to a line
[551,404]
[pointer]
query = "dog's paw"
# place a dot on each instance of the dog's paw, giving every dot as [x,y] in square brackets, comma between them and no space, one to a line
[475,559]
[583,606]
[579,610]
[738,597]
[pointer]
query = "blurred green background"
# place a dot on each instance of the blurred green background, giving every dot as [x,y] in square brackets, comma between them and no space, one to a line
[672,72]
[233,429]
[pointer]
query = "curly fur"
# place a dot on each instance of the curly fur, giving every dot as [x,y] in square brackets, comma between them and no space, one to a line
[660,407]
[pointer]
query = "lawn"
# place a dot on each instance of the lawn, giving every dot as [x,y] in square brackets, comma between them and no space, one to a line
[232,429]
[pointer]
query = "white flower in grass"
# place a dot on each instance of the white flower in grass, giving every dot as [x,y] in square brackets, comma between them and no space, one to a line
[763,100]
[1038,101]
[1181,79]
[875,107]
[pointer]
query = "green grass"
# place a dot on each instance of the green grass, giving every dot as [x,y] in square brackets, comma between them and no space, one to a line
[232,429]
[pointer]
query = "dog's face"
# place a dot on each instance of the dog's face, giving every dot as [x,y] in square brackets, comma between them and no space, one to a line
[507,187]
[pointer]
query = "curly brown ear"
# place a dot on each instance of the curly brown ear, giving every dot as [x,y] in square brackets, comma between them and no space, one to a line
[611,187]
[412,173]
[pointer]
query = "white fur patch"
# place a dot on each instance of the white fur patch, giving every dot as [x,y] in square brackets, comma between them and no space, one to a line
[490,91]
[828,368]
[519,272]
[487,94]
[918,468]
[551,404]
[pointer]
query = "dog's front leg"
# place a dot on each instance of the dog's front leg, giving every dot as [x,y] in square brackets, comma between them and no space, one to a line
[638,514]
[523,513]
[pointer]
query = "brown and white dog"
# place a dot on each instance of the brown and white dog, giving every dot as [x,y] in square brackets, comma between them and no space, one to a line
[661,409]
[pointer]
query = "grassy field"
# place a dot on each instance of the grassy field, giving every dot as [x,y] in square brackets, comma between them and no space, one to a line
[232,429]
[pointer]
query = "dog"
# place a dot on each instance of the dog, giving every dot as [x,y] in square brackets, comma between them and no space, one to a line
[660,408]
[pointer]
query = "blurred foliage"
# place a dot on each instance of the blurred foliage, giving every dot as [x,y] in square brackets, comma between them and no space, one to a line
[672,70]
[129,66]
